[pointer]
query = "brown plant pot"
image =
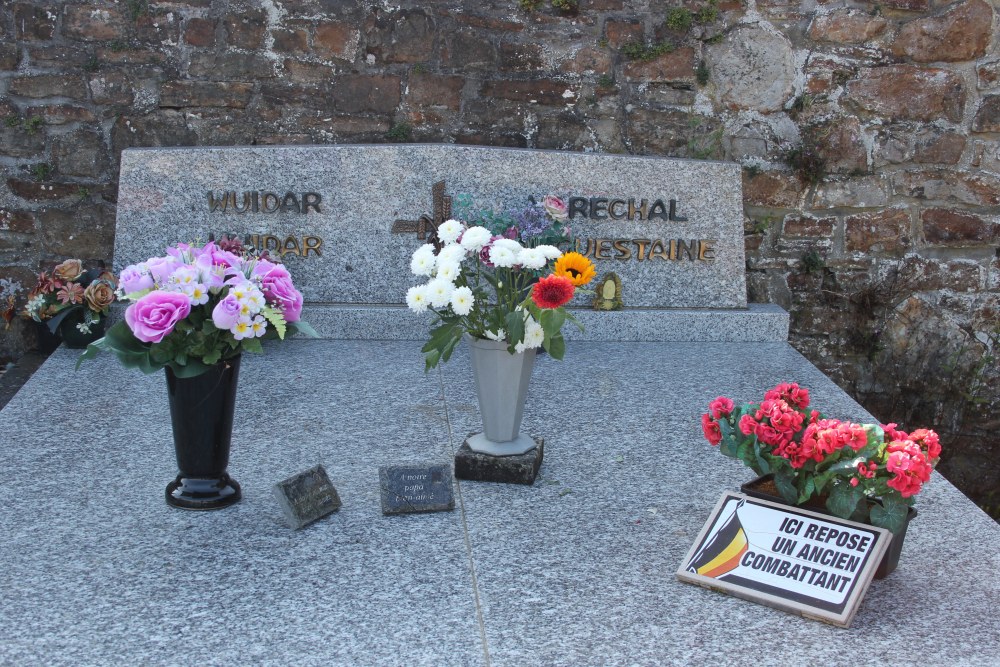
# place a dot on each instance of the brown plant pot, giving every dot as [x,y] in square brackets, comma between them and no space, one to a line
[765,489]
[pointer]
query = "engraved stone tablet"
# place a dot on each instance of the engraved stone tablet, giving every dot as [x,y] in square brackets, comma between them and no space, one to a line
[306,497]
[408,489]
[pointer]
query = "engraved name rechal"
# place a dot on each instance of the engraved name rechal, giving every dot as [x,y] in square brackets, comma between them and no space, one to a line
[604,208]
[259,201]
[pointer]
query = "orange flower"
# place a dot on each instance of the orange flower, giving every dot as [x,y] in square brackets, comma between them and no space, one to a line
[576,267]
[552,291]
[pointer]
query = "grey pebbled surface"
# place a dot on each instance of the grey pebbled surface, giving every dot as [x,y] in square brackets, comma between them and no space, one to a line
[163,198]
[760,322]
[576,570]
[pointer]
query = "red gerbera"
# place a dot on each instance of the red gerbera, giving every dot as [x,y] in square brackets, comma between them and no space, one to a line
[552,291]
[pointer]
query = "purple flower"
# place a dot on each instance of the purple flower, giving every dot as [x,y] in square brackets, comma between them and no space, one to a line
[162,268]
[276,284]
[531,221]
[154,316]
[226,313]
[135,278]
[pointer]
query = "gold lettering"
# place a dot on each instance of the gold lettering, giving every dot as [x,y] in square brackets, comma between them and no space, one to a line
[687,248]
[600,247]
[270,243]
[612,206]
[218,204]
[270,202]
[640,247]
[624,252]
[588,251]
[673,249]
[313,243]
[633,212]
[657,250]
[707,251]
[246,203]
[291,245]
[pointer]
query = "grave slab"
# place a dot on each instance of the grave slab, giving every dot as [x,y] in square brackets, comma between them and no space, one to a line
[577,569]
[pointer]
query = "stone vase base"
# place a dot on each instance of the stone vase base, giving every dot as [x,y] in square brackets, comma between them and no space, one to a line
[481,444]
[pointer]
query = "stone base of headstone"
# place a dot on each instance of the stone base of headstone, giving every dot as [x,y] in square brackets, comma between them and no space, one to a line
[517,469]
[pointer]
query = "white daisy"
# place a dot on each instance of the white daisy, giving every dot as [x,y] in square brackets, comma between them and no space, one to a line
[439,292]
[423,261]
[550,251]
[534,335]
[462,301]
[416,298]
[475,238]
[499,336]
[504,252]
[448,270]
[531,258]
[449,231]
[454,253]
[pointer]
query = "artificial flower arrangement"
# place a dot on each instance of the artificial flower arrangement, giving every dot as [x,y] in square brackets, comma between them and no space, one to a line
[197,306]
[71,291]
[496,283]
[811,456]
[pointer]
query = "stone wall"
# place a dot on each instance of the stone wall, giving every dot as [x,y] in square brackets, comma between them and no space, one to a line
[868,132]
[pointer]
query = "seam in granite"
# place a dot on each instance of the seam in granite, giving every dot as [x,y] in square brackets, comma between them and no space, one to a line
[465,526]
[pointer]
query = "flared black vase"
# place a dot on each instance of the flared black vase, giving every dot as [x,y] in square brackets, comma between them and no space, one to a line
[201,412]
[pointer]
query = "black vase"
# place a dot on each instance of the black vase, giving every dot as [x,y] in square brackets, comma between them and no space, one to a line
[891,557]
[201,412]
[75,339]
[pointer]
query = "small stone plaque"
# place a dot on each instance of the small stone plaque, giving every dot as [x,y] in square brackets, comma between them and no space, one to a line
[786,557]
[410,489]
[517,469]
[307,497]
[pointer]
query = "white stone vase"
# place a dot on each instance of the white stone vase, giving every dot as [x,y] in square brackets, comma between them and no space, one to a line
[501,382]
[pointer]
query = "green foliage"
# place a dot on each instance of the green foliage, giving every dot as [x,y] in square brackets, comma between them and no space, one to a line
[603,42]
[566,5]
[702,74]
[605,81]
[400,133]
[891,514]
[646,52]
[118,45]
[41,171]
[807,161]
[136,8]
[812,262]
[12,121]
[92,64]
[529,5]
[751,170]
[32,125]
[679,19]
[419,68]
[709,13]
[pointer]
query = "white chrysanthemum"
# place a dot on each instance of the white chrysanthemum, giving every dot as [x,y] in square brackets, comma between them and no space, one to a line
[534,335]
[462,301]
[448,271]
[449,231]
[416,298]
[504,252]
[550,251]
[439,292]
[498,336]
[475,238]
[531,258]
[423,261]
[451,253]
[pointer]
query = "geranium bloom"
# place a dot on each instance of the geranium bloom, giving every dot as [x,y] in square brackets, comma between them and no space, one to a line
[928,441]
[720,407]
[576,267]
[710,428]
[552,291]
[790,392]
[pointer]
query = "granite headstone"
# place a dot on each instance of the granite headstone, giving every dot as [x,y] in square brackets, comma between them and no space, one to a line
[345,219]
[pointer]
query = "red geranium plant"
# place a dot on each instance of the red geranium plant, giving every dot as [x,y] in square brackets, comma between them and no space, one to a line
[812,456]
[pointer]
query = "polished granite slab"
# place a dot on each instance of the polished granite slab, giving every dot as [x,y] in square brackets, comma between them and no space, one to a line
[95,568]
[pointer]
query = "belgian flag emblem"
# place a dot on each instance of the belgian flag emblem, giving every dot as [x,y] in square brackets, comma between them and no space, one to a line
[722,552]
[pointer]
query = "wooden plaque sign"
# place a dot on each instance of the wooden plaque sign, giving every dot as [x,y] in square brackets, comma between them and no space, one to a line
[786,557]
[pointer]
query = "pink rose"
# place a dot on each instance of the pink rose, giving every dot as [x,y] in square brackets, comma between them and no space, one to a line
[276,284]
[154,316]
[555,207]
[226,313]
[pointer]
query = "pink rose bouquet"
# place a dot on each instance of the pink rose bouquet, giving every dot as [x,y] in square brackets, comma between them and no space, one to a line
[811,456]
[197,306]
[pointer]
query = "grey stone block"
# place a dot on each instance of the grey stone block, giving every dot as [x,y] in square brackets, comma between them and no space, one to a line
[518,469]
